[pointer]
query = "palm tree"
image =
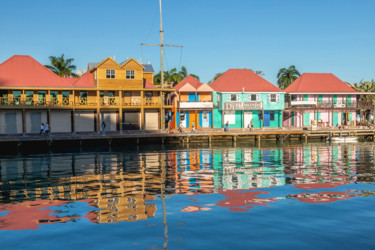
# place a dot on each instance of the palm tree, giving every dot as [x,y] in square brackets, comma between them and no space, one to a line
[173,76]
[286,76]
[61,66]
[365,86]
[258,72]
[217,75]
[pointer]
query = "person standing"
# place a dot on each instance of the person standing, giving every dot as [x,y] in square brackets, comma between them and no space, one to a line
[42,129]
[46,129]
[103,127]
[226,129]
[192,127]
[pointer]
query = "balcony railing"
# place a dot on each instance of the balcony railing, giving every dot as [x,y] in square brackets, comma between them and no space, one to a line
[90,101]
[328,104]
[109,101]
[152,101]
[196,104]
[132,101]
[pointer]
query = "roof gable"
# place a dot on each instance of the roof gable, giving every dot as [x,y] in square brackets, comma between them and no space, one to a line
[205,88]
[238,80]
[187,88]
[192,81]
[108,59]
[134,61]
[319,83]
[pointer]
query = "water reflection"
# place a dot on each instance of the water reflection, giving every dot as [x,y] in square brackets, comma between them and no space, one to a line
[113,187]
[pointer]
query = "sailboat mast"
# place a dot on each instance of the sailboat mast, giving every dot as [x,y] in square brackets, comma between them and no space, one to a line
[161,49]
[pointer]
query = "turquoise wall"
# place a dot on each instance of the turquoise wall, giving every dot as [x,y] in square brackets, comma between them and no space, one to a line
[244,98]
[218,118]
[277,107]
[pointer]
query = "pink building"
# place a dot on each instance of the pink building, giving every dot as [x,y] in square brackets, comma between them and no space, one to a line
[320,99]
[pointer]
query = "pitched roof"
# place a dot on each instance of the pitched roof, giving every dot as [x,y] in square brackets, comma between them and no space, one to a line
[148,68]
[189,79]
[319,83]
[236,80]
[148,85]
[25,71]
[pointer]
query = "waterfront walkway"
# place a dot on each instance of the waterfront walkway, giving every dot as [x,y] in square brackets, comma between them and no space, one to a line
[204,135]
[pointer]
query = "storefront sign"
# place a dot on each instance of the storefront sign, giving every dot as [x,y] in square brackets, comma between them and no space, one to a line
[243,105]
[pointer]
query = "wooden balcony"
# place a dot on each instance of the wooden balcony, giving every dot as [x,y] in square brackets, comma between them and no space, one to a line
[330,105]
[82,102]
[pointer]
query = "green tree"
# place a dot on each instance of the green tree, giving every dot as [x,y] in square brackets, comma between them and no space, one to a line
[365,86]
[61,66]
[173,76]
[258,72]
[286,76]
[217,75]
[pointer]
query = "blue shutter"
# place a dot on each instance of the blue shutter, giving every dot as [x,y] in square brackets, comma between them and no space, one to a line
[200,119]
[210,118]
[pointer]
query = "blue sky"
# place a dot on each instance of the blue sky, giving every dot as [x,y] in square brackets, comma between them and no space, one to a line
[336,36]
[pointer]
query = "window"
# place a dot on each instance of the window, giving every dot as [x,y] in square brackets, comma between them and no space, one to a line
[238,97]
[101,94]
[110,73]
[54,93]
[252,97]
[233,97]
[272,116]
[272,98]
[83,94]
[29,97]
[65,94]
[130,74]
[16,97]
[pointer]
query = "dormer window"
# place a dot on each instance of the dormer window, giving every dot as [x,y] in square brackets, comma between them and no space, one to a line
[130,74]
[110,73]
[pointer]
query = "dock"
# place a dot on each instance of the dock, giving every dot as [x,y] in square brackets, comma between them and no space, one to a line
[16,143]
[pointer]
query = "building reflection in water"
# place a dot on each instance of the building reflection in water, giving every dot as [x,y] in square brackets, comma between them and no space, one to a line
[123,186]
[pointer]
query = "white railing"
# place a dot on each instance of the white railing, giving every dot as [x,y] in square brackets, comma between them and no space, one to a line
[297,103]
[188,105]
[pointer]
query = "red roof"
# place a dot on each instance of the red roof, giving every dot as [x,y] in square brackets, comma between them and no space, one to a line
[148,85]
[25,71]
[319,83]
[189,79]
[236,80]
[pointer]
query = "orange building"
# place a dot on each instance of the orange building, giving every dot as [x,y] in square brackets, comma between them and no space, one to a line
[194,104]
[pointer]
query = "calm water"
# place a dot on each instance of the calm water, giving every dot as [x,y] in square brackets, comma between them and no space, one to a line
[297,196]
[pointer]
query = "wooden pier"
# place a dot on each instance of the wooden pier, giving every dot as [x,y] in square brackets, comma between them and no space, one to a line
[16,143]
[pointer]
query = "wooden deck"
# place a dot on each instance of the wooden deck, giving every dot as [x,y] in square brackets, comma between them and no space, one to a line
[186,137]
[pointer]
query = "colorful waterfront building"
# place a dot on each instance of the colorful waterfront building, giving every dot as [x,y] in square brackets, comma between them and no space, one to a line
[320,99]
[120,94]
[242,97]
[193,104]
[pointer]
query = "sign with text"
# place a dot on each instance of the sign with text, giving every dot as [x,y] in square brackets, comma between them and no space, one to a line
[243,105]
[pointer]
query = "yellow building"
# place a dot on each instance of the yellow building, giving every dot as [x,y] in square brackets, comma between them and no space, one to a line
[122,95]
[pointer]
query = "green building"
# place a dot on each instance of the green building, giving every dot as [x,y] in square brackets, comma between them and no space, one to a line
[242,97]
